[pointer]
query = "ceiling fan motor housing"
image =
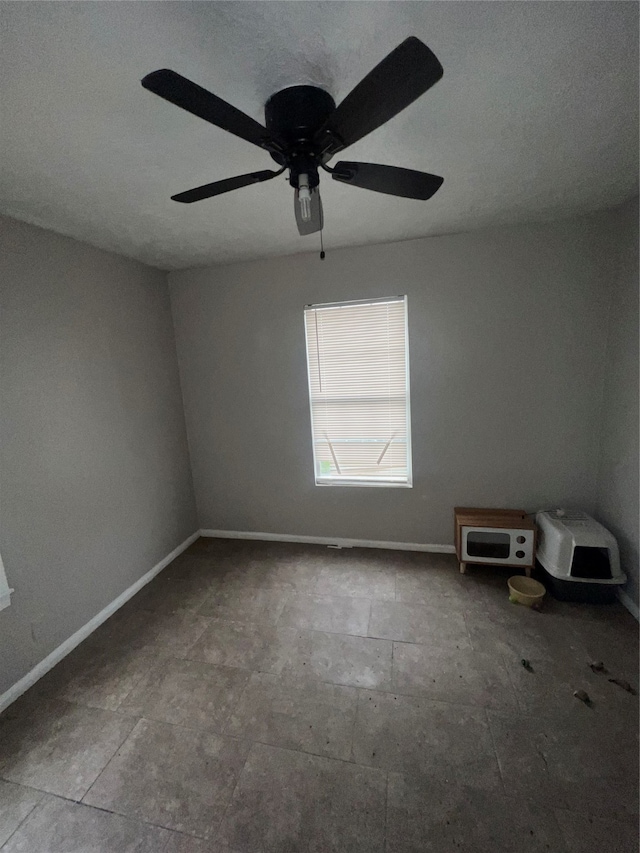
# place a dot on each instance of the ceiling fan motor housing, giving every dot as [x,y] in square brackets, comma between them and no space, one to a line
[294,115]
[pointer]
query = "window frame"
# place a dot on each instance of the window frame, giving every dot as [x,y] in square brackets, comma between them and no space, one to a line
[5,589]
[364,481]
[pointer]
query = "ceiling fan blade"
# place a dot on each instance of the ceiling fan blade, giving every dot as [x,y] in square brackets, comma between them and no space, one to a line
[405,74]
[219,187]
[198,101]
[317,218]
[387,179]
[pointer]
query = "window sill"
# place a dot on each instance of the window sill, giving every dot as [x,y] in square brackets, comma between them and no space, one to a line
[377,484]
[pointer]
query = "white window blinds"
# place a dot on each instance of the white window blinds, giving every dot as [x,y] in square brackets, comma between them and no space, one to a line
[358,363]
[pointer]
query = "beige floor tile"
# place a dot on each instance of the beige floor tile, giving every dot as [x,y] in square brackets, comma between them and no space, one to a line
[330,613]
[310,716]
[60,826]
[239,603]
[336,658]
[317,804]
[171,776]
[582,763]
[16,802]
[187,692]
[452,675]
[586,834]
[429,816]
[417,623]
[240,644]
[361,582]
[62,748]
[411,734]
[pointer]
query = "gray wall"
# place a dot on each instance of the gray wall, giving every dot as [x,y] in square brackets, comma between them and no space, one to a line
[617,504]
[96,486]
[507,344]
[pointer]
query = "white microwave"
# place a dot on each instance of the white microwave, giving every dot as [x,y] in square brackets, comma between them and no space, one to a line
[512,546]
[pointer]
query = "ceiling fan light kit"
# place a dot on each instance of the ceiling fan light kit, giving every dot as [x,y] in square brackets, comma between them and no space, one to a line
[304,129]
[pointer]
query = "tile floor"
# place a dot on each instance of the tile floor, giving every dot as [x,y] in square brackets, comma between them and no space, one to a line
[274,698]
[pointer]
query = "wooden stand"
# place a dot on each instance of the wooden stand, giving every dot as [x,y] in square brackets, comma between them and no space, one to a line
[499,519]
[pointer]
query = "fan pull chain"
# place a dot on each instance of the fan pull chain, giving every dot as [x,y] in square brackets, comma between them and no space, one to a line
[322,253]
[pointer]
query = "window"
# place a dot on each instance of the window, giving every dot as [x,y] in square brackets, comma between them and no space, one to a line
[358,365]
[5,591]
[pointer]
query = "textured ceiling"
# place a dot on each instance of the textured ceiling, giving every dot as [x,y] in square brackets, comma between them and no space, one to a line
[536,117]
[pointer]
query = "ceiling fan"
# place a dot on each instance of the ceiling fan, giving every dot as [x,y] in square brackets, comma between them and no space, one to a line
[304,130]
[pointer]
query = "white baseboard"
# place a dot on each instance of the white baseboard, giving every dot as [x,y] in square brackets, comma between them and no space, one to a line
[629,603]
[336,542]
[81,634]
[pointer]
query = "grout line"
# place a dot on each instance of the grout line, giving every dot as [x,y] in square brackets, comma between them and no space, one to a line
[346,761]
[386,811]
[225,723]
[136,820]
[128,735]
[337,595]
[514,689]
[392,664]
[495,751]
[228,666]
[336,633]
[83,805]
[427,697]
[466,627]
[176,725]
[235,788]
[353,726]
[137,681]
